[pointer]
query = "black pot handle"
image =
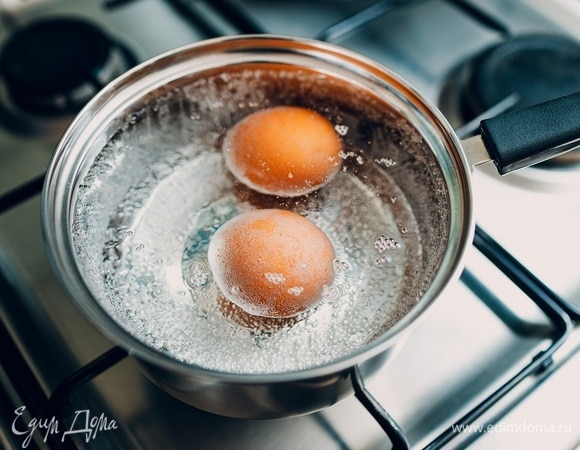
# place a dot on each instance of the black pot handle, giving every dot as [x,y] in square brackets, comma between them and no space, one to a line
[528,136]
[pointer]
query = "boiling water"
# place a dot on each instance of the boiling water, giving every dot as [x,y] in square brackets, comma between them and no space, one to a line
[154,279]
[160,286]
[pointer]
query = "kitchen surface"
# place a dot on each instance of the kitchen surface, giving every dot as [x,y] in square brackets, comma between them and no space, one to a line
[496,361]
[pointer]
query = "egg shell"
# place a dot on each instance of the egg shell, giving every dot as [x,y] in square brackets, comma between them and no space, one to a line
[271,262]
[286,151]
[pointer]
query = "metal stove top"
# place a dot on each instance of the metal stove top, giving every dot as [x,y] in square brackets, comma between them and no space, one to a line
[498,354]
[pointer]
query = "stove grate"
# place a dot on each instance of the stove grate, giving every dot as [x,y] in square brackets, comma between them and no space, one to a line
[545,299]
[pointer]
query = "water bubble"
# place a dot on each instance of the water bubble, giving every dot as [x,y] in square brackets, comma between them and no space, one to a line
[383,260]
[275,278]
[341,265]
[384,243]
[116,282]
[197,275]
[331,293]
[157,291]
[214,319]
[124,233]
[341,129]
[243,334]
[345,155]
[296,290]
[387,162]
[362,292]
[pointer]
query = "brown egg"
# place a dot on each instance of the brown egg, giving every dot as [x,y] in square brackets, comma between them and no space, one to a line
[254,323]
[271,262]
[285,151]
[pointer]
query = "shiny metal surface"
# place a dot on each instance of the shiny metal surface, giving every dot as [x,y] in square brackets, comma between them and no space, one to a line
[269,395]
[476,152]
[454,357]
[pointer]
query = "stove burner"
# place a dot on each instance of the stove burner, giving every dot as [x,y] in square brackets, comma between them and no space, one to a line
[536,68]
[53,67]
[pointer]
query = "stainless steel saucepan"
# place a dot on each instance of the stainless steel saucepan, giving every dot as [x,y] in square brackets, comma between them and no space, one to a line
[138,185]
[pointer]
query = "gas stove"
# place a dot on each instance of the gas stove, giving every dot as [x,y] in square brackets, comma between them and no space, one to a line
[493,365]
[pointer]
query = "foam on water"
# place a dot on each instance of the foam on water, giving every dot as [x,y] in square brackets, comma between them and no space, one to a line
[154,278]
[158,277]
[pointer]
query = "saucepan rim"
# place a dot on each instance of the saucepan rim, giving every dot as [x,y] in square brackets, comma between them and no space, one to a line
[65,168]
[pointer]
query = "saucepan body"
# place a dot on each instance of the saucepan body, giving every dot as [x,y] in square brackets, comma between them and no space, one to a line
[138,186]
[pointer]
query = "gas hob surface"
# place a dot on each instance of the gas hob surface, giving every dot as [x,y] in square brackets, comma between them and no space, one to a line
[482,336]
